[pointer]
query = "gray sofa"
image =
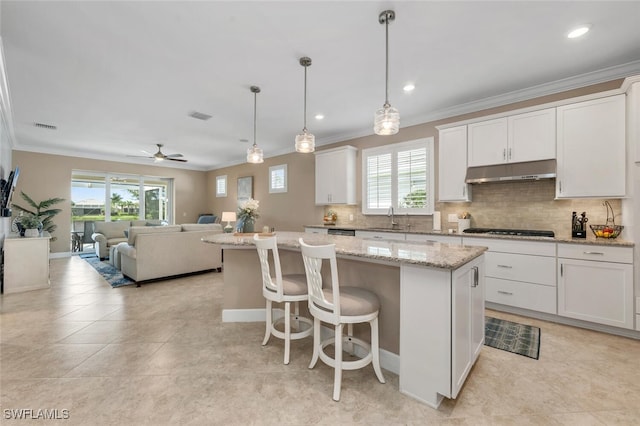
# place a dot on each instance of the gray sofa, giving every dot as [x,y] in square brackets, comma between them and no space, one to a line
[107,234]
[164,251]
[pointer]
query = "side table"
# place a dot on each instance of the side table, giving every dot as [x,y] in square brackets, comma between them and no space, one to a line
[26,263]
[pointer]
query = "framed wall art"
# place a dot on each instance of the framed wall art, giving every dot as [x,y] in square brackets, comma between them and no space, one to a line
[245,188]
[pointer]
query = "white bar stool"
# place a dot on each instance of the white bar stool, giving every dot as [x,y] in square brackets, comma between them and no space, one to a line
[339,306]
[285,289]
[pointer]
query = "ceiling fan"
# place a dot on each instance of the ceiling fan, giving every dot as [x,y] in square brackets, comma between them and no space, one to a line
[160,156]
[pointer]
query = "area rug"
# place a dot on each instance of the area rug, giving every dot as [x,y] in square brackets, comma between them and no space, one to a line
[510,336]
[109,272]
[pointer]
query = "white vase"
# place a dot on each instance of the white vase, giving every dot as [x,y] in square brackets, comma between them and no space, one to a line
[30,233]
[463,224]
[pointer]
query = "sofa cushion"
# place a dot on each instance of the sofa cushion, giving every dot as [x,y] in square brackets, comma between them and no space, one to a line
[111,229]
[134,231]
[201,227]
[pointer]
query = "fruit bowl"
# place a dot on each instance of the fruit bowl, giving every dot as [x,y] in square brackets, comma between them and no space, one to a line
[606,231]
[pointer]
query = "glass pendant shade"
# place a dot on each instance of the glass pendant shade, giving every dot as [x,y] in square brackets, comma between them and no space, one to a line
[255,155]
[305,142]
[387,121]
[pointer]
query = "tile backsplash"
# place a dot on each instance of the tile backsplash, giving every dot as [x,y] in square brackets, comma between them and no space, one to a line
[522,205]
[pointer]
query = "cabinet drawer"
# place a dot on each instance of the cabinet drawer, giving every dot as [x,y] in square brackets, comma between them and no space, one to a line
[521,267]
[316,231]
[380,235]
[457,240]
[540,248]
[536,297]
[598,253]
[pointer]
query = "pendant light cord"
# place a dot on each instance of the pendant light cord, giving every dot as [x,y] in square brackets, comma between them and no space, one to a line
[386,83]
[305,99]
[255,109]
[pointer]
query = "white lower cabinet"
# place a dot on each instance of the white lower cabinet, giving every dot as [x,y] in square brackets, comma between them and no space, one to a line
[521,274]
[599,291]
[441,329]
[638,313]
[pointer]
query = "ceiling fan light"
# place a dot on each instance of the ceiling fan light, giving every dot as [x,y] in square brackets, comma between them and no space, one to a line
[255,155]
[387,121]
[305,142]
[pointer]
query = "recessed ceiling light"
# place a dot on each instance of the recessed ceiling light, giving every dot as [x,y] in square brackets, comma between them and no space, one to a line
[319,116]
[579,31]
[409,87]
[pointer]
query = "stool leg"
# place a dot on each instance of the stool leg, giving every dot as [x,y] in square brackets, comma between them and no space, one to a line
[316,342]
[375,350]
[287,331]
[349,345]
[269,323]
[337,377]
[296,315]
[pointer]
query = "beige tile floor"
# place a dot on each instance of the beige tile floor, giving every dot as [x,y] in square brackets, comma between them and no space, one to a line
[160,354]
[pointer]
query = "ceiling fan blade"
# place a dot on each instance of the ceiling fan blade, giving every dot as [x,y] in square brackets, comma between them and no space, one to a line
[174,155]
[138,156]
[176,159]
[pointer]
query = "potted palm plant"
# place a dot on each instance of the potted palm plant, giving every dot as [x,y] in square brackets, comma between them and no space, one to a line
[41,211]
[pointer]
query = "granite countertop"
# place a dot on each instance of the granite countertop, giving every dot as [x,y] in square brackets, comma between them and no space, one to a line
[436,255]
[559,238]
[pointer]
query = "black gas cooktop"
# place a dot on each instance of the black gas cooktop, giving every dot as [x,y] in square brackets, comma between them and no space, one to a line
[516,232]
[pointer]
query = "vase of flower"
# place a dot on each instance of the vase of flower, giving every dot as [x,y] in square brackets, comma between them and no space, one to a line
[248,213]
[248,226]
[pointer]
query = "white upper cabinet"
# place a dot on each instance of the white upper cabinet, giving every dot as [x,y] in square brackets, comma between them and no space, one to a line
[591,149]
[523,137]
[452,165]
[336,176]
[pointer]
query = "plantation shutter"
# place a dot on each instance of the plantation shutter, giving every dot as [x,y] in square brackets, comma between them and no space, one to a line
[412,178]
[379,181]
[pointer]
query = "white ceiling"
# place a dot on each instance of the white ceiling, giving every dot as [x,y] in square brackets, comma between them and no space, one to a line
[118,77]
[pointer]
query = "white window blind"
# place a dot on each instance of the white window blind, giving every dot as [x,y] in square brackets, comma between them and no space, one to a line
[221,186]
[398,176]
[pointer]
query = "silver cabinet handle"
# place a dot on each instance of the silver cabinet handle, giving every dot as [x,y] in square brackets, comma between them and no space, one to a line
[508,293]
[476,275]
[509,153]
[505,266]
[560,186]
[377,237]
[594,252]
[504,154]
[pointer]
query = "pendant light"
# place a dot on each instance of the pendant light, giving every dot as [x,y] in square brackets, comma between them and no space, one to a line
[305,141]
[254,154]
[387,118]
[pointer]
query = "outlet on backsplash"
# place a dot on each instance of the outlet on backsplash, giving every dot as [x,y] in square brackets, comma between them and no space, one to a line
[452,217]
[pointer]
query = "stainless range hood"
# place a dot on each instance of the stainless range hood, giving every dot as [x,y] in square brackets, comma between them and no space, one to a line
[531,170]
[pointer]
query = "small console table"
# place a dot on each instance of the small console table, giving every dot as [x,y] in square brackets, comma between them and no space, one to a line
[26,263]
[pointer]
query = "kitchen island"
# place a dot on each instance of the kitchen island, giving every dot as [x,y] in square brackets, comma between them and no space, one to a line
[431,294]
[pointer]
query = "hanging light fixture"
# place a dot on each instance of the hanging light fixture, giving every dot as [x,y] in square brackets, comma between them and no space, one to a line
[254,154]
[305,141]
[387,121]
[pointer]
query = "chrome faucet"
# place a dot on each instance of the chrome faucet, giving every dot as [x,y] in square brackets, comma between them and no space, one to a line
[390,214]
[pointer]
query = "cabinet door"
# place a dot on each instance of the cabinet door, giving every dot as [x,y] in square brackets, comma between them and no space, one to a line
[532,136]
[477,310]
[461,331]
[487,142]
[600,292]
[336,176]
[452,165]
[591,148]
[467,320]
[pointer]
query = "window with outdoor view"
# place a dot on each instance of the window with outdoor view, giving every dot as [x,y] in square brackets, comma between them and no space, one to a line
[398,176]
[110,197]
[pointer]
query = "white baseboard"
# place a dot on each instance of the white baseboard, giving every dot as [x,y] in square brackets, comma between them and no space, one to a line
[388,360]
